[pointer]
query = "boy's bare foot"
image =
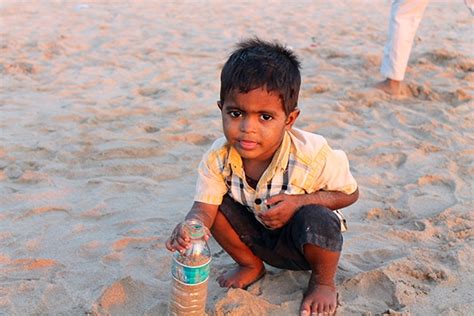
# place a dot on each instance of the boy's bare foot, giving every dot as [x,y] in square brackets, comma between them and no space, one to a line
[241,277]
[394,87]
[319,298]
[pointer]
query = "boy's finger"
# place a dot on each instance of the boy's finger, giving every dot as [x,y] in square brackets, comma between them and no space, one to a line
[265,215]
[271,213]
[274,199]
[169,245]
[179,247]
[183,242]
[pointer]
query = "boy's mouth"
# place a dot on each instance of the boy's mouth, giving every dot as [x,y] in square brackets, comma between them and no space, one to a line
[247,144]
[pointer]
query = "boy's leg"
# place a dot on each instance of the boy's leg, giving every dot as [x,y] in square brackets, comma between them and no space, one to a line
[315,231]
[250,267]
[312,240]
[321,294]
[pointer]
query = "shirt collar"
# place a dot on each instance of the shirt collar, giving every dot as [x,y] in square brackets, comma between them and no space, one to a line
[235,162]
[280,159]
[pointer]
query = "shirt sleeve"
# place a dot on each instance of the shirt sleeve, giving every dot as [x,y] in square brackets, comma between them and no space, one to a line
[335,174]
[210,185]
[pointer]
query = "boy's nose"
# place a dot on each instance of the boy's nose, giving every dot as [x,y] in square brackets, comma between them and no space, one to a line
[248,125]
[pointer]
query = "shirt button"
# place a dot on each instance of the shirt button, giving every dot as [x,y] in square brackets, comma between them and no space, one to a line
[258,201]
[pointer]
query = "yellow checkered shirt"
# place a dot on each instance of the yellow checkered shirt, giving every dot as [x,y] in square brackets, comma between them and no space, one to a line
[304,163]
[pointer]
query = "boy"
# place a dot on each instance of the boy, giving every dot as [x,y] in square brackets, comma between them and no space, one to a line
[266,191]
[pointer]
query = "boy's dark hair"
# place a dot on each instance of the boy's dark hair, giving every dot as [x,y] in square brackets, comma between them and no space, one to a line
[259,64]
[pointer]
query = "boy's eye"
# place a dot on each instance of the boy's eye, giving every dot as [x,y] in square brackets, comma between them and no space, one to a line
[235,114]
[266,117]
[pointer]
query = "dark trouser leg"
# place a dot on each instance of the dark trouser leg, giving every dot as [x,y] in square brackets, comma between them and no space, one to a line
[250,267]
[322,245]
[312,225]
[284,248]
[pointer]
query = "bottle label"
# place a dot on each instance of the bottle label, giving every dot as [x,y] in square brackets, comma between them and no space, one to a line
[190,275]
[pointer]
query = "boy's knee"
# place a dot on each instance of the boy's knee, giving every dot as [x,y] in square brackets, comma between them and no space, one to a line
[314,210]
[317,216]
[320,226]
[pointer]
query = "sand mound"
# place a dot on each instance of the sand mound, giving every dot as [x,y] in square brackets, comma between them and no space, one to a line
[125,297]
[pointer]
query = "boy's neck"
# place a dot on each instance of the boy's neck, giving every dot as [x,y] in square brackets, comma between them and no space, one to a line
[254,169]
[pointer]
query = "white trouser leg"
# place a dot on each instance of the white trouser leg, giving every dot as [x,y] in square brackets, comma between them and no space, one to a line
[405,16]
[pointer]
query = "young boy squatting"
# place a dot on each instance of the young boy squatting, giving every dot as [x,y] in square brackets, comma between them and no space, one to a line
[267,191]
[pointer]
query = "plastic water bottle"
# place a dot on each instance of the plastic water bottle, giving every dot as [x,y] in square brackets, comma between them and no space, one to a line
[190,272]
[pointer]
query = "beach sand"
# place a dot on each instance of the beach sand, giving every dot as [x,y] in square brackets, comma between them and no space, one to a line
[107,107]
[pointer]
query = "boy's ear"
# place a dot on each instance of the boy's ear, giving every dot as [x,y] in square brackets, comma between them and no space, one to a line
[291,119]
[219,104]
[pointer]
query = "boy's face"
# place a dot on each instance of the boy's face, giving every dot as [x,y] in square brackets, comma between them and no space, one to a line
[254,123]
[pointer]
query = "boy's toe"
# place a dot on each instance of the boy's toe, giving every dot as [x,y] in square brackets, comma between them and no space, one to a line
[305,309]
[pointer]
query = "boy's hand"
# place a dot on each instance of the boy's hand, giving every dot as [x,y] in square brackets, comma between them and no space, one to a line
[283,207]
[180,240]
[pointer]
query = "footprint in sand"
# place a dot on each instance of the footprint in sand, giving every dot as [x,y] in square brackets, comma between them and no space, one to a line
[374,285]
[13,172]
[456,224]
[23,68]
[433,194]
[457,65]
[373,259]
[397,284]
[418,226]
[396,160]
[424,92]
[42,210]
[152,92]
[240,302]
[370,61]
[32,268]
[316,85]
[318,89]
[332,54]
[440,57]
[426,272]
[191,138]
[465,64]
[151,129]
[128,153]
[387,215]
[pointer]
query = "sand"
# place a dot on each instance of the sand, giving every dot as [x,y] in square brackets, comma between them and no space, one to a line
[107,107]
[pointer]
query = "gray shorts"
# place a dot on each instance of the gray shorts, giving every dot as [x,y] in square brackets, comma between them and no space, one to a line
[283,247]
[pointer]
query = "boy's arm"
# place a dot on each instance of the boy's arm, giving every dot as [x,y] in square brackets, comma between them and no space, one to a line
[333,200]
[203,212]
[284,206]
[210,188]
